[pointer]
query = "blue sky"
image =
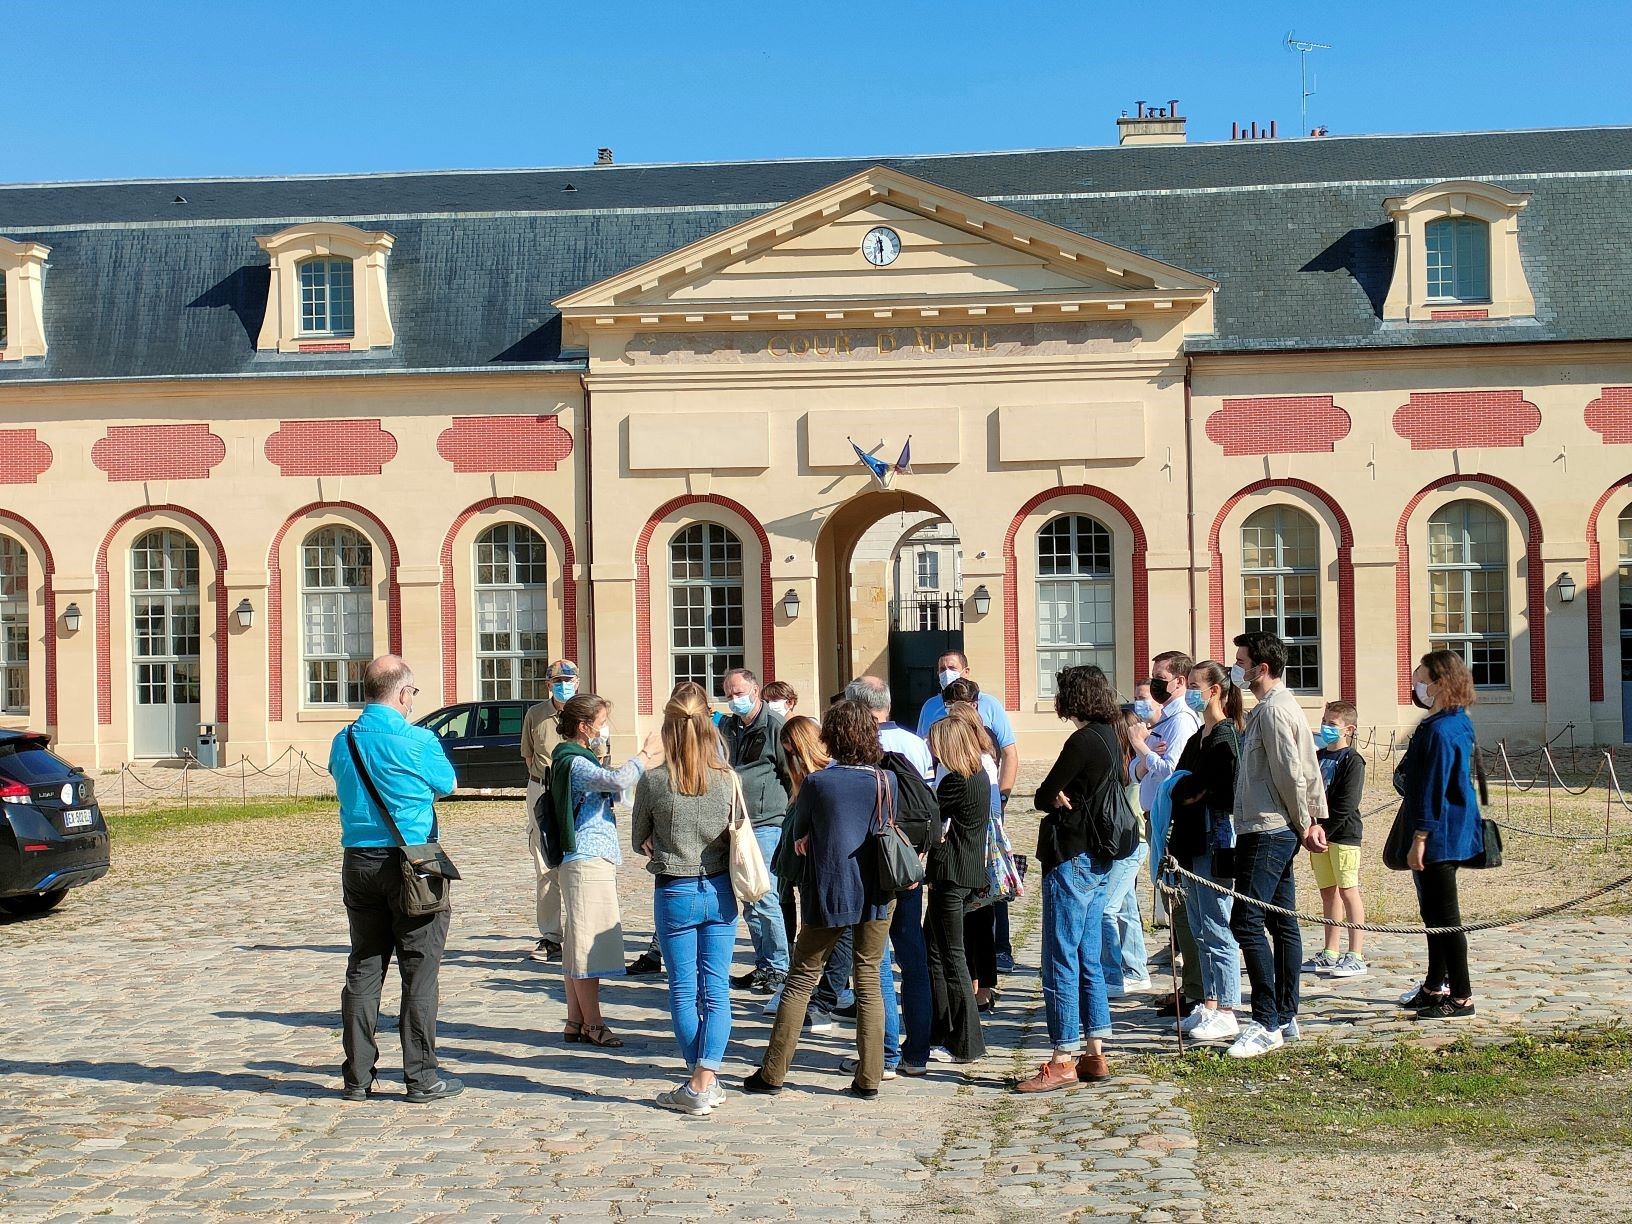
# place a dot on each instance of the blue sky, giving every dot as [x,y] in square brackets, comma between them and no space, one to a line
[227,87]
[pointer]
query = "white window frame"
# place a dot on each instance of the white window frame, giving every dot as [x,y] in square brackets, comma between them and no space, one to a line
[1303,648]
[927,570]
[705,592]
[335,270]
[14,598]
[512,610]
[1065,589]
[167,626]
[332,676]
[1460,580]
[1447,242]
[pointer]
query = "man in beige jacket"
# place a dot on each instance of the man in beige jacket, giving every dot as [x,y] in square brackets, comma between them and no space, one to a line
[1279,800]
[538,741]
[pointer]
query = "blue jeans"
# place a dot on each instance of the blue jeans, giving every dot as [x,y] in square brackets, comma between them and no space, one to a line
[836,975]
[917,1009]
[1073,982]
[1123,955]
[1263,869]
[766,930]
[1209,914]
[696,922]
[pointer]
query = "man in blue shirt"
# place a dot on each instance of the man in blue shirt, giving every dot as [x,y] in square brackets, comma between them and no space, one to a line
[410,771]
[949,667]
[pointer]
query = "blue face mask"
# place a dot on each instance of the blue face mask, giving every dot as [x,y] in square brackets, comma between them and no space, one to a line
[1329,735]
[1145,708]
[948,676]
[564,690]
[1195,700]
[740,706]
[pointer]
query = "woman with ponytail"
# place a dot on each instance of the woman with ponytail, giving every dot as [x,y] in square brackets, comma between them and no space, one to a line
[1202,839]
[681,820]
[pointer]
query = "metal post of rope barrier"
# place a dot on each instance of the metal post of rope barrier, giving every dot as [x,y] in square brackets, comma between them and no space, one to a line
[1173,966]
[122,768]
[297,774]
[186,797]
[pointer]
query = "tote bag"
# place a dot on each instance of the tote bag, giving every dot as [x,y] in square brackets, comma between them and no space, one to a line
[750,878]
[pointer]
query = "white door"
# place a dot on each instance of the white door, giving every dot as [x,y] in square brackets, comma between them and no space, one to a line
[165,636]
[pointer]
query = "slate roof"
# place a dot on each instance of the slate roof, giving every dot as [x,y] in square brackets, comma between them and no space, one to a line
[1293,230]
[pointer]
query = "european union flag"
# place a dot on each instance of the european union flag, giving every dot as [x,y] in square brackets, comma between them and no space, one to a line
[881,471]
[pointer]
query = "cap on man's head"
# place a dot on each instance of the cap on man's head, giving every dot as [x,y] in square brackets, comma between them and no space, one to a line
[563,668]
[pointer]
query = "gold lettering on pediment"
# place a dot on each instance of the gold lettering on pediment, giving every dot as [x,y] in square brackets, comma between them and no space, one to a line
[880,344]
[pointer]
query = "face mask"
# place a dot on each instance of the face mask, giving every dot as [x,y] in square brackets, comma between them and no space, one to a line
[1238,676]
[1419,696]
[1145,708]
[741,705]
[1160,690]
[779,708]
[564,690]
[600,743]
[948,676]
[1329,735]
[1194,699]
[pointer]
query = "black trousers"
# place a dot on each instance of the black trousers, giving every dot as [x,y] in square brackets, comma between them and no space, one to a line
[957,1020]
[1447,954]
[369,881]
[980,944]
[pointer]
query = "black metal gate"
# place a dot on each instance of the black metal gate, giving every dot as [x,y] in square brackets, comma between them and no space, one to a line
[922,629]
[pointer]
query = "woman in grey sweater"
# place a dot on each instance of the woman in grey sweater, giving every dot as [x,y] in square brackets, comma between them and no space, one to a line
[680,821]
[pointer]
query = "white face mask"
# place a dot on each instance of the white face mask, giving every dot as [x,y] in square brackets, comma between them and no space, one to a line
[1421,690]
[779,708]
[1238,676]
[948,676]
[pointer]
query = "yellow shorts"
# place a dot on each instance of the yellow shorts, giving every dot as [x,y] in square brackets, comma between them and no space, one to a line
[1339,866]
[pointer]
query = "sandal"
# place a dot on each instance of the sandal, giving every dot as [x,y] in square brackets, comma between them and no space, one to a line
[600,1035]
[574,1032]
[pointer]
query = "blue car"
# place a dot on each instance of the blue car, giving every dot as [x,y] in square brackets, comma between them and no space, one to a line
[52,835]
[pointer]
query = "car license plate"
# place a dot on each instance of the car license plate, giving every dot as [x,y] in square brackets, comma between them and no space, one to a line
[82,818]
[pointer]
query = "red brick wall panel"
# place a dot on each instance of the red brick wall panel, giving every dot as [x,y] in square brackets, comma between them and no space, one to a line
[1278,425]
[1440,420]
[47,570]
[23,457]
[330,448]
[505,444]
[1610,415]
[1457,316]
[158,452]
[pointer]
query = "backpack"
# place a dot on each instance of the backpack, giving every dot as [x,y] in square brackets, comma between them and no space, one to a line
[549,827]
[917,812]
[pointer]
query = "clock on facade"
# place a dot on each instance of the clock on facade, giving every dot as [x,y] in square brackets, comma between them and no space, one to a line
[881,245]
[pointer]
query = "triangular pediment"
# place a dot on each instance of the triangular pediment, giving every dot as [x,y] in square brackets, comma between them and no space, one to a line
[955,251]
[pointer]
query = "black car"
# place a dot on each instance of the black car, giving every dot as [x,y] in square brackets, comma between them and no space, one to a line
[52,835]
[483,740]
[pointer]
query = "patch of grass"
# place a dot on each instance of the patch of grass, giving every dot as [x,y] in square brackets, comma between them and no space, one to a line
[144,824]
[1564,1085]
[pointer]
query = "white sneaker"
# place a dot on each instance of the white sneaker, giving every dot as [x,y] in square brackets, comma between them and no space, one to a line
[1290,1031]
[1198,1013]
[1254,1040]
[818,1021]
[851,1065]
[1322,962]
[1217,1025]
[1138,983]
[1349,965]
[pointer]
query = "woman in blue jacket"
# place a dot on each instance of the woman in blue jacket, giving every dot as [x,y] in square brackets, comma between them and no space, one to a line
[1438,788]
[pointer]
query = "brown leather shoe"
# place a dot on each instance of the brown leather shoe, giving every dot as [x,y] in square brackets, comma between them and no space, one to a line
[1092,1067]
[1050,1077]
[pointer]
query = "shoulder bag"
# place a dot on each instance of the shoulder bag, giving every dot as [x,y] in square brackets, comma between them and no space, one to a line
[899,867]
[427,872]
[1113,828]
[750,878]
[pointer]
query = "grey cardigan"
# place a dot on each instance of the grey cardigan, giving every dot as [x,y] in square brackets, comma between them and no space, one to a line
[689,832]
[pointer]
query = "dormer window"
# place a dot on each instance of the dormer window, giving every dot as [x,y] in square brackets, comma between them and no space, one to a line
[327,291]
[1456,255]
[326,297]
[22,317]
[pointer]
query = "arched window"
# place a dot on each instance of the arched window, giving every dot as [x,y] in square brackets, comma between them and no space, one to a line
[326,301]
[13,620]
[166,634]
[1467,588]
[512,613]
[1625,585]
[705,605]
[337,614]
[1458,250]
[1076,605]
[1280,587]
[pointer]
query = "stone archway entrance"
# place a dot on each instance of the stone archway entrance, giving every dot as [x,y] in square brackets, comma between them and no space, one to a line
[889,595]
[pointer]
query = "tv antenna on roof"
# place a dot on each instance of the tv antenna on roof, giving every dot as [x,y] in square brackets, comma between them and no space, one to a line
[1303,47]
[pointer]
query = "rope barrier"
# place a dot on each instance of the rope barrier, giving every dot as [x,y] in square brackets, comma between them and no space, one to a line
[1170,866]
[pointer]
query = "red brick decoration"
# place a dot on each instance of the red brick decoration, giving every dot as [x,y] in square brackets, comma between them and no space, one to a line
[1457,316]
[1535,586]
[1011,595]
[1440,420]
[505,444]
[1345,578]
[1278,425]
[274,598]
[330,448]
[562,546]
[1595,588]
[158,452]
[35,542]
[643,592]
[104,610]
[23,457]
[1610,415]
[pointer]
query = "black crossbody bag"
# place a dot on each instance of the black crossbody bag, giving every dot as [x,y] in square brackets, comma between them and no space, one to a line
[427,872]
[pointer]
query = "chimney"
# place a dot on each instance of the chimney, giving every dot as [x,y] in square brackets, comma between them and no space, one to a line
[1151,125]
[603,157]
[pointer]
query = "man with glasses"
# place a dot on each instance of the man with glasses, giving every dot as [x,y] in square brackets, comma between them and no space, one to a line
[409,771]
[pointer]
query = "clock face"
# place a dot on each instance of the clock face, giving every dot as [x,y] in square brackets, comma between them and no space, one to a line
[881,245]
